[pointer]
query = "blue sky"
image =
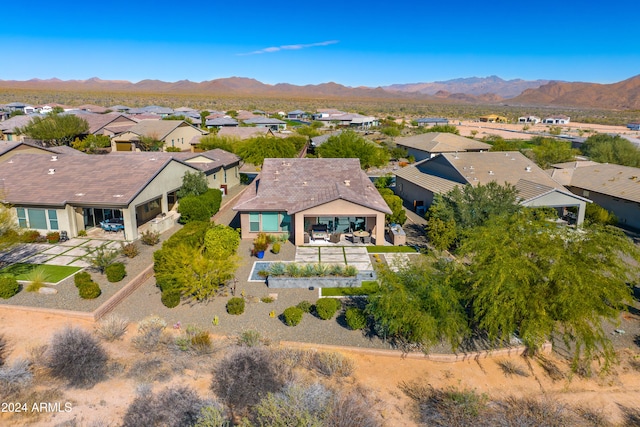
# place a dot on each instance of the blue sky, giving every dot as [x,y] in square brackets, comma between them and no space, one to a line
[370,43]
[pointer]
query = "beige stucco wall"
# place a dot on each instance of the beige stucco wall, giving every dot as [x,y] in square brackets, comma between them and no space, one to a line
[180,137]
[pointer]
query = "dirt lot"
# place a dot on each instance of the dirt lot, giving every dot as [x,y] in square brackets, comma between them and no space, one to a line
[107,401]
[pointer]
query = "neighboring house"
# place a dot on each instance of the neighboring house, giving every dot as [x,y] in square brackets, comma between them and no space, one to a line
[432,121]
[430,144]
[417,184]
[120,108]
[74,193]
[557,120]
[92,108]
[221,168]
[317,141]
[297,115]
[8,149]
[633,126]
[265,122]
[292,195]
[529,119]
[493,118]
[614,187]
[8,128]
[220,122]
[153,110]
[354,120]
[4,115]
[17,106]
[174,133]
[244,133]
[109,124]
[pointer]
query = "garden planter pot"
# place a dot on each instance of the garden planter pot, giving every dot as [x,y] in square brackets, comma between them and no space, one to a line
[260,254]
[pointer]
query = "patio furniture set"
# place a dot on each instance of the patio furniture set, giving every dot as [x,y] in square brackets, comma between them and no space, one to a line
[112,225]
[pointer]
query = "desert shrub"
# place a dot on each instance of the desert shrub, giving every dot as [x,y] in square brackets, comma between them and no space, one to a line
[244,376]
[195,340]
[250,338]
[305,306]
[77,357]
[326,307]
[193,208]
[352,409]
[101,257]
[276,248]
[331,363]
[150,334]
[4,349]
[148,370]
[212,416]
[531,412]
[15,378]
[130,250]
[292,316]
[355,317]
[30,236]
[172,407]
[89,290]
[192,235]
[212,199]
[510,368]
[82,233]
[448,407]
[267,300]
[235,305]
[170,298]
[550,368]
[82,278]
[150,238]
[115,272]
[9,286]
[112,327]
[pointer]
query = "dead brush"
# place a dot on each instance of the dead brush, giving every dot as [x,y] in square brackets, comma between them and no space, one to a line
[149,370]
[333,364]
[550,368]
[510,368]
[112,327]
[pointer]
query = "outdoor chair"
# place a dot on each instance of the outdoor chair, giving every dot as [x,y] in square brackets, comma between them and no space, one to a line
[334,238]
[366,239]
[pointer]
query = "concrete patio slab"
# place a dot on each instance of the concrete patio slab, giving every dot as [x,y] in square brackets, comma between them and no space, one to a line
[37,259]
[61,260]
[97,243]
[56,250]
[77,252]
[330,250]
[73,242]
[79,263]
[358,258]
[333,258]
[361,266]
[355,250]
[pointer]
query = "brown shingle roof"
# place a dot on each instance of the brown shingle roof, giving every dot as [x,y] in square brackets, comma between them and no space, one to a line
[111,180]
[293,185]
[441,142]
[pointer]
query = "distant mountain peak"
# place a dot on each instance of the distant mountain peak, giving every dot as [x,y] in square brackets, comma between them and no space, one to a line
[476,86]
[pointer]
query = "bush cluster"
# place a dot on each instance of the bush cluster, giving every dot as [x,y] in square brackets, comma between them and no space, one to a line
[87,288]
[170,297]
[115,272]
[292,269]
[112,327]
[53,237]
[130,250]
[150,238]
[31,236]
[9,286]
[326,307]
[235,305]
[77,357]
[292,316]
[305,306]
[200,208]
[150,334]
[356,319]
[172,407]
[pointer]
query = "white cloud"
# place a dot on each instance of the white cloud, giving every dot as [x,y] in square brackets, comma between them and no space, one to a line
[289,47]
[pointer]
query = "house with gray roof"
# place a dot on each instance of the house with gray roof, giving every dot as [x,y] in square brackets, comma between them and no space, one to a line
[220,122]
[430,144]
[417,184]
[431,121]
[173,133]
[77,192]
[614,187]
[293,195]
[266,122]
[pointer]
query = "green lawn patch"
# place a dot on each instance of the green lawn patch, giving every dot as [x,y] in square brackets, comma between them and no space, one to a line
[389,249]
[55,273]
[368,287]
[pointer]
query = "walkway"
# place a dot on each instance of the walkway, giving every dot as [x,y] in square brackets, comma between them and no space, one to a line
[356,256]
[71,252]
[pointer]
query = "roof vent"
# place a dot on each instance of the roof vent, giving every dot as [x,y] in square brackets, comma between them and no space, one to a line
[455,156]
[347,182]
[471,167]
[490,172]
[79,194]
[277,172]
[54,158]
[304,183]
[52,171]
[528,169]
[506,154]
[118,195]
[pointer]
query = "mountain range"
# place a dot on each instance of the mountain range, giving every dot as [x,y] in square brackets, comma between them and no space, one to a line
[624,95]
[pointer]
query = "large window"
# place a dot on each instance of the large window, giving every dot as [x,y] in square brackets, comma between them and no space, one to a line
[38,219]
[269,222]
[254,222]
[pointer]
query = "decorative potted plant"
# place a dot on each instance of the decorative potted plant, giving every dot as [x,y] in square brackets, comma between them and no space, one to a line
[260,244]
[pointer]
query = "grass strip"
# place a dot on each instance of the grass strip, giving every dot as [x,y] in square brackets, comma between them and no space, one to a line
[55,273]
[390,249]
[369,287]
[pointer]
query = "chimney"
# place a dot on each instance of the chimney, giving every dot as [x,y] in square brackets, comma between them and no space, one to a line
[52,171]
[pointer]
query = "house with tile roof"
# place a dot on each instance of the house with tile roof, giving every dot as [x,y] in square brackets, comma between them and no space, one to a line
[292,195]
[417,184]
[220,122]
[614,187]
[74,193]
[266,122]
[9,128]
[430,144]
[109,124]
[173,133]
[221,168]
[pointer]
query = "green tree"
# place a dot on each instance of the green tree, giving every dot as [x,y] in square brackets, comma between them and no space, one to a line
[203,118]
[418,304]
[308,131]
[498,143]
[443,128]
[398,215]
[55,129]
[92,143]
[596,214]
[226,143]
[254,151]
[528,277]
[193,184]
[150,143]
[349,144]
[8,229]
[548,151]
[605,148]
[383,181]
[221,242]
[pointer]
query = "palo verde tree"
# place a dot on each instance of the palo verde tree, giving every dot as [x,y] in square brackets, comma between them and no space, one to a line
[55,129]
[605,148]
[398,215]
[548,151]
[528,277]
[349,144]
[254,151]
